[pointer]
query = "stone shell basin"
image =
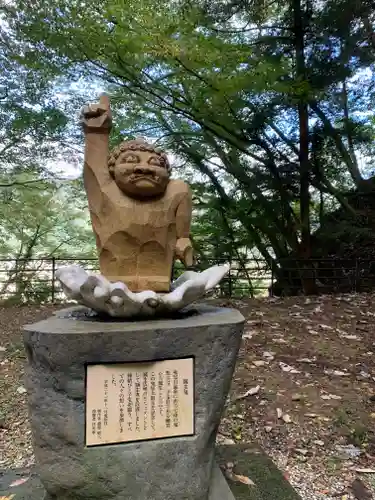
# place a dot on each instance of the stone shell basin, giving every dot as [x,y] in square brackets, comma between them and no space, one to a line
[116,300]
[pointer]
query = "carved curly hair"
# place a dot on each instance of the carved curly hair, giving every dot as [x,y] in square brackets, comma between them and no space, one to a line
[136,145]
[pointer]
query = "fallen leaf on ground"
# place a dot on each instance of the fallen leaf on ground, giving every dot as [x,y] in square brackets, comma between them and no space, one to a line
[269,355]
[311,330]
[249,334]
[250,392]
[259,363]
[302,451]
[224,440]
[279,340]
[338,373]
[288,368]
[330,396]
[229,474]
[18,482]
[348,452]
[351,337]
[287,418]
[243,479]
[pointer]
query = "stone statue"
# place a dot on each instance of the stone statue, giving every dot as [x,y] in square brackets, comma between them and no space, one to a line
[141,220]
[140,217]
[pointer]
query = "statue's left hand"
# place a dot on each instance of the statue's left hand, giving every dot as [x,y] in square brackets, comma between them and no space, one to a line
[184,251]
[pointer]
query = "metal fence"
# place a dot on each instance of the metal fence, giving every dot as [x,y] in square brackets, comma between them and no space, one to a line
[34,280]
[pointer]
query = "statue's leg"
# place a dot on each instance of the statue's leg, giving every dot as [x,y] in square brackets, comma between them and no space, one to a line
[140,267]
[118,259]
[155,267]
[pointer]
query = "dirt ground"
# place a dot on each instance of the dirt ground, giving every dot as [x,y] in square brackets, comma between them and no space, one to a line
[304,388]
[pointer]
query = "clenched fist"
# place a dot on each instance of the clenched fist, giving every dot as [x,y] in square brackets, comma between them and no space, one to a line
[97,117]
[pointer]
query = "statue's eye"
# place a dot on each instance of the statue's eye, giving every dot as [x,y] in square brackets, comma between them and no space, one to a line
[154,160]
[131,159]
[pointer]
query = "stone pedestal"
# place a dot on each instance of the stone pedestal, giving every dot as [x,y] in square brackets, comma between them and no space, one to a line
[175,468]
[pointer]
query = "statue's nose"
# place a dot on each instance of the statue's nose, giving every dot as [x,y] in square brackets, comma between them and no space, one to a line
[142,169]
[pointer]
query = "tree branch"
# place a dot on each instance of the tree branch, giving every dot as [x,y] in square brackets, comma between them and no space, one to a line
[19,183]
[345,155]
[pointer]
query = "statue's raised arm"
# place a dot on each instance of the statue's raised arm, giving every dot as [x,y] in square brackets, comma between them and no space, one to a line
[96,121]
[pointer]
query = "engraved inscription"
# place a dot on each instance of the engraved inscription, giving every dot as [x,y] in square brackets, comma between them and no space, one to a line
[139,401]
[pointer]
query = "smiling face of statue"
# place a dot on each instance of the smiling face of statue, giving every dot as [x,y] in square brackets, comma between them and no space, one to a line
[141,174]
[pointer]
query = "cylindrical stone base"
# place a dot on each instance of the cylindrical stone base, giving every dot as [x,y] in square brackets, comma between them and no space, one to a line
[59,350]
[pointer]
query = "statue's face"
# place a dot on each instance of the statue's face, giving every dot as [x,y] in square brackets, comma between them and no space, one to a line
[141,174]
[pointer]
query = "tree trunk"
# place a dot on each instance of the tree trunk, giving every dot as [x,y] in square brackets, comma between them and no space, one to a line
[307,275]
[348,130]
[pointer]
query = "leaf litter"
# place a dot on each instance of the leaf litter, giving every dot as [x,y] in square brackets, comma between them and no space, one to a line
[15,433]
[232,476]
[317,390]
[322,420]
[250,392]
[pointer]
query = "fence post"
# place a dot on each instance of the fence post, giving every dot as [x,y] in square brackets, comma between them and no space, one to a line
[230,283]
[356,276]
[53,279]
[272,277]
[15,279]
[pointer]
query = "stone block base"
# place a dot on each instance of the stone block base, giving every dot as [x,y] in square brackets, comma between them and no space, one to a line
[60,351]
[248,460]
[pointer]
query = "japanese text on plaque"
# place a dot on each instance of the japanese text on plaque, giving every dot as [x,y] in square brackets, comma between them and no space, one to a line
[138,401]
